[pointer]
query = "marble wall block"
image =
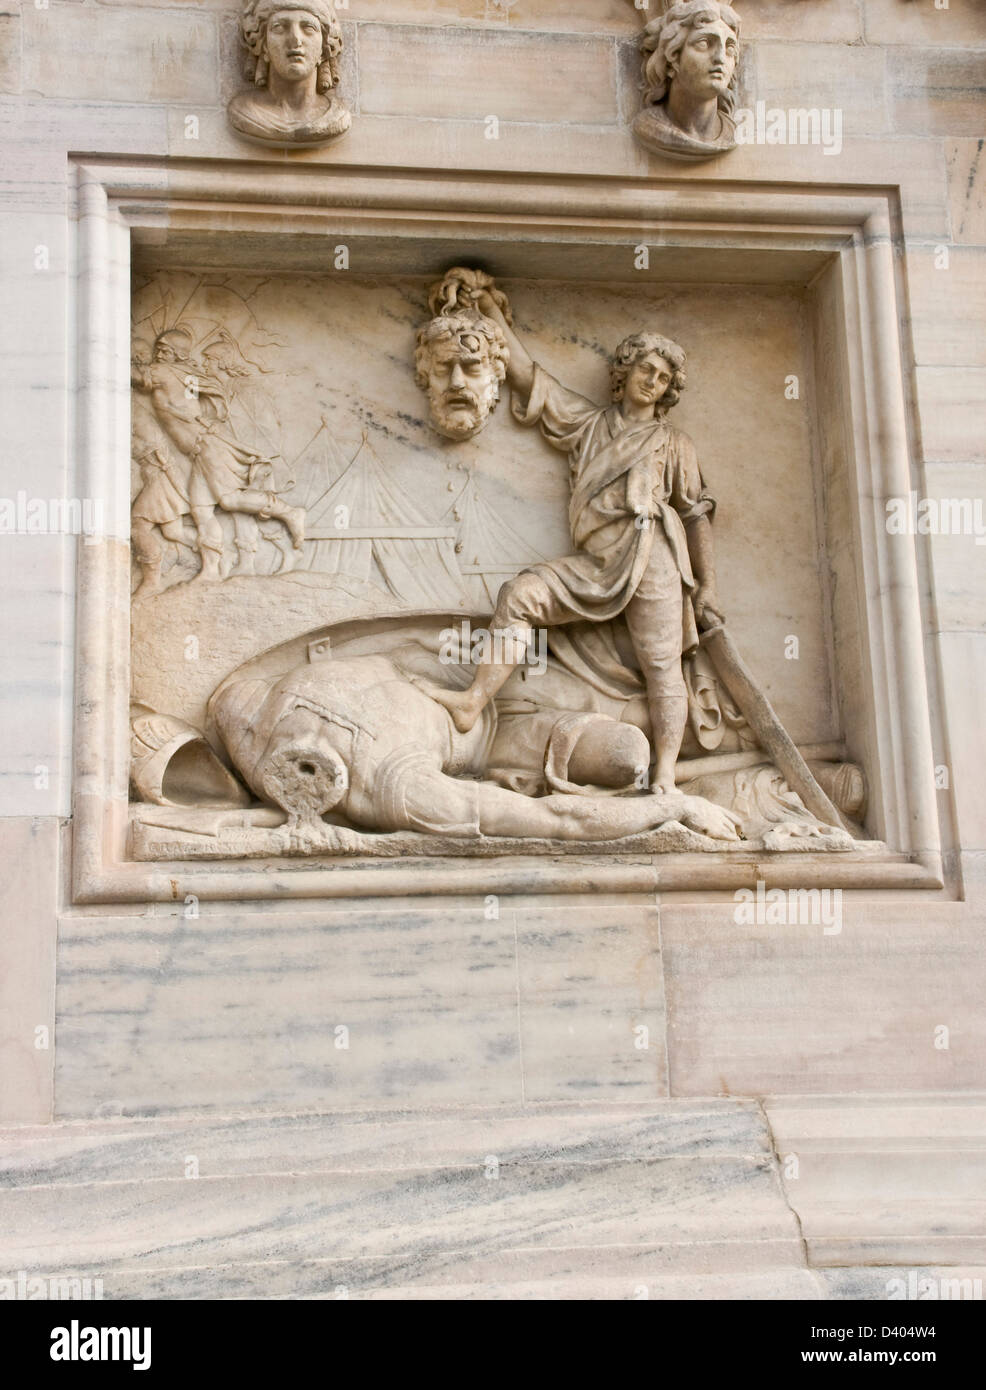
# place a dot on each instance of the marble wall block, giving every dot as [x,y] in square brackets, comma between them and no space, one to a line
[966,168]
[590,1201]
[515,77]
[775,1010]
[935,91]
[28,851]
[886,1180]
[591,1003]
[543,16]
[10,47]
[155,55]
[818,21]
[36,630]
[962,24]
[948,305]
[963,664]
[852,80]
[959,564]
[952,409]
[442,1006]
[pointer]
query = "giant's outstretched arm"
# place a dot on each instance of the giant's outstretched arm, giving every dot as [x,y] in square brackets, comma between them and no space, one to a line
[559,817]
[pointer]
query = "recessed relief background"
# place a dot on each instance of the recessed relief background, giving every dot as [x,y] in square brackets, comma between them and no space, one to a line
[318,374]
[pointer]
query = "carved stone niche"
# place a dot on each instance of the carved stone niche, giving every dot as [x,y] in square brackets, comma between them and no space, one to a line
[297,558]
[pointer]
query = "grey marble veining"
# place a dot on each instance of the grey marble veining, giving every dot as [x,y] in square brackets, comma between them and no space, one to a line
[440,1006]
[495,1203]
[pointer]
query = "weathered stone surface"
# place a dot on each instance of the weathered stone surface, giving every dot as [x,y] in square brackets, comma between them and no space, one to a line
[960,22]
[887,1180]
[10,47]
[29,846]
[850,80]
[952,407]
[489,72]
[946,289]
[967,189]
[441,1007]
[161,55]
[588,1202]
[748,1014]
[935,91]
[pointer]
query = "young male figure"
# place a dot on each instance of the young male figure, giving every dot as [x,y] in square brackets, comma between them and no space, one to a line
[640,516]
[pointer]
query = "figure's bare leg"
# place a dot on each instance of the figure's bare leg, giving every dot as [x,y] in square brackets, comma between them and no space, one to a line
[265,504]
[148,553]
[246,536]
[465,706]
[653,617]
[668,714]
[176,532]
[210,544]
[521,603]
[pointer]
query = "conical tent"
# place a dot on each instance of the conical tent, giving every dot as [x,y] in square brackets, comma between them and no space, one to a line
[488,548]
[366,527]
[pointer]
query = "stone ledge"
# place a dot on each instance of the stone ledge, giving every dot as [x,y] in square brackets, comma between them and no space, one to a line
[886,1180]
[674,1200]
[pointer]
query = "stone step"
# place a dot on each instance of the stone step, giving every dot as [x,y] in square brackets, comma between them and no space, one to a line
[607,1201]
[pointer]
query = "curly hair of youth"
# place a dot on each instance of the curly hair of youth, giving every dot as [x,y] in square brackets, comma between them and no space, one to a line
[665,38]
[638,345]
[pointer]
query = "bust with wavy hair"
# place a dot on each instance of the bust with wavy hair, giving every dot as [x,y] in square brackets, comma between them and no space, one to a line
[636,347]
[293,51]
[690,58]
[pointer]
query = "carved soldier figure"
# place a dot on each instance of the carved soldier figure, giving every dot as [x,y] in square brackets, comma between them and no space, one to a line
[691,53]
[192,410]
[640,515]
[294,52]
[161,505]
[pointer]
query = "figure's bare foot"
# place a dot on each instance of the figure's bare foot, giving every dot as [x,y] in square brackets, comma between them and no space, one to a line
[663,787]
[461,704]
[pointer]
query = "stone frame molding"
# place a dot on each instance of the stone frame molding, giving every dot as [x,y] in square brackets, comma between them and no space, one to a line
[840,242]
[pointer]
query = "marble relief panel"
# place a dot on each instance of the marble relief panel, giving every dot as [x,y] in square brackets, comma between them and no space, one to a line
[315,488]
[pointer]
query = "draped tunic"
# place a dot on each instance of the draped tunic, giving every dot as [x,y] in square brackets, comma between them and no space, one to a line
[634,485]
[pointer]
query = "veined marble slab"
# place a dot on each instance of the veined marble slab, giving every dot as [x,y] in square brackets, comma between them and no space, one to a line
[893,1180]
[440,1006]
[609,1201]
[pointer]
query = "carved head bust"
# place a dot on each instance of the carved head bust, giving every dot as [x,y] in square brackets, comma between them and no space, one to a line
[690,59]
[460,361]
[648,370]
[293,63]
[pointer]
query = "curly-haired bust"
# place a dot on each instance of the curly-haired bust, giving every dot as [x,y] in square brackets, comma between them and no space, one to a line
[690,58]
[293,63]
[637,348]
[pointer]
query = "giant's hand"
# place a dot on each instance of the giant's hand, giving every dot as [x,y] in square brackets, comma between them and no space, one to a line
[709,819]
